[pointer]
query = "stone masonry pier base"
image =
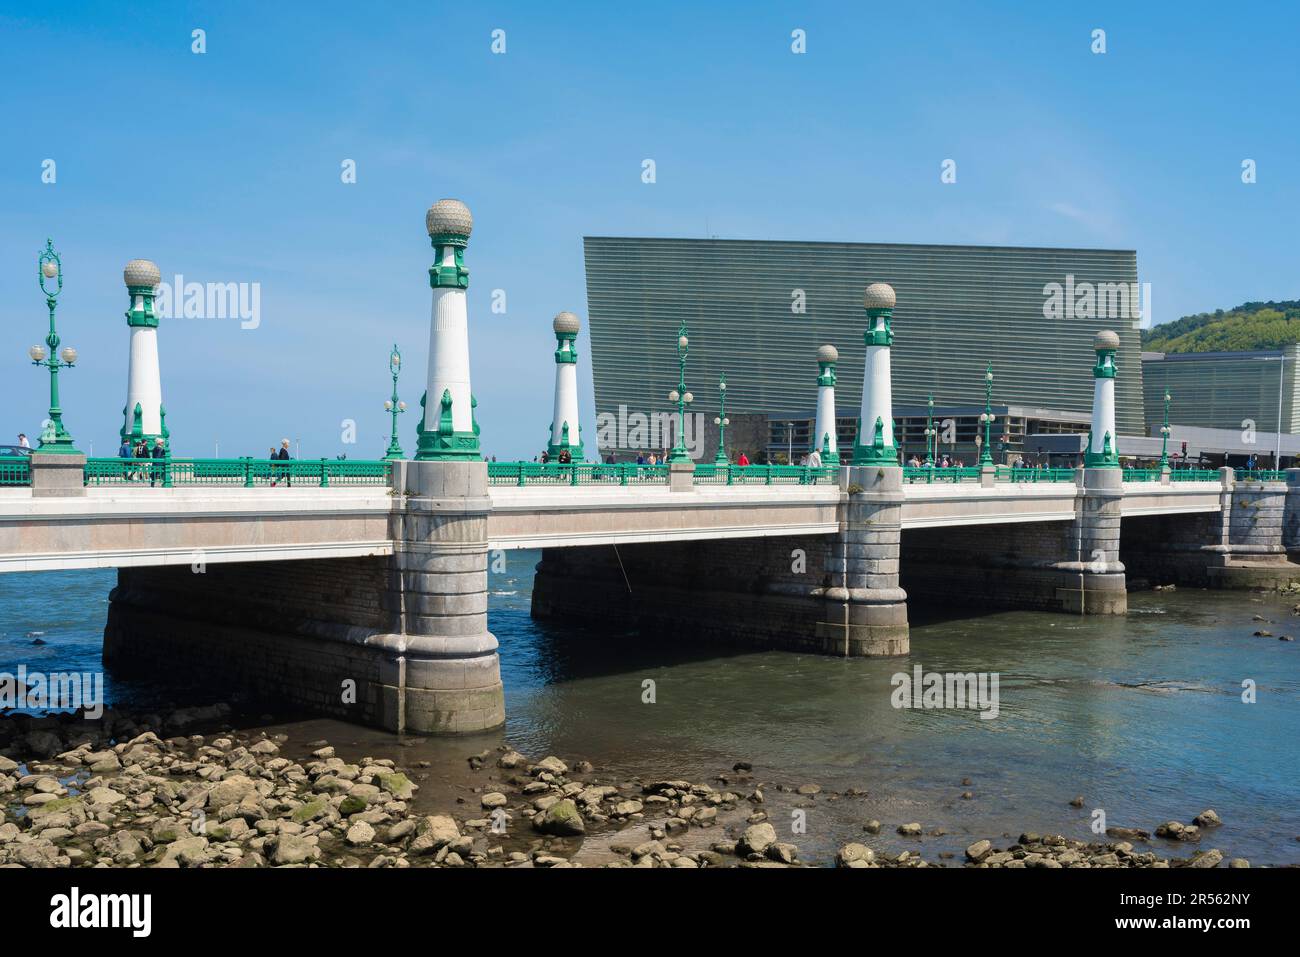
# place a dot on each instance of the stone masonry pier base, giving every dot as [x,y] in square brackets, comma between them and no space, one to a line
[398,642]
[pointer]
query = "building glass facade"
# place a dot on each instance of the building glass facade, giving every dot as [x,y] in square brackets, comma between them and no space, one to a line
[757,311]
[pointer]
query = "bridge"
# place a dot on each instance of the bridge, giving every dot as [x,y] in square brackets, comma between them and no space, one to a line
[360,588]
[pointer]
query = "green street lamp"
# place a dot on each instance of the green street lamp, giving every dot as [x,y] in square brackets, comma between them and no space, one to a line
[681,397]
[54,437]
[394,406]
[931,434]
[986,419]
[1164,436]
[721,421]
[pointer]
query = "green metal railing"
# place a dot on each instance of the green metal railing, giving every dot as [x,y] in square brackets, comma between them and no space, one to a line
[245,472]
[1006,473]
[914,474]
[1194,475]
[15,471]
[553,473]
[1141,475]
[1260,475]
[710,473]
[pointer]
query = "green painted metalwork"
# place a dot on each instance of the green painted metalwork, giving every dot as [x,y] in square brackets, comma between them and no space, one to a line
[15,470]
[721,421]
[913,474]
[445,443]
[1008,473]
[680,396]
[1260,475]
[395,405]
[246,472]
[1194,475]
[986,449]
[1164,435]
[1141,475]
[54,437]
[582,473]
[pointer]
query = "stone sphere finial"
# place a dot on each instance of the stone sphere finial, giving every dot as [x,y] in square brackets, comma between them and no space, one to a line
[141,272]
[449,217]
[1106,339]
[566,322]
[879,295]
[828,353]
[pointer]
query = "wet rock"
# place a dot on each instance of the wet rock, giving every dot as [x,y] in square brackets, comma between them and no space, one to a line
[1207,818]
[855,855]
[1210,858]
[550,765]
[293,849]
[910,830]
[360,833]
[493,799]
[1077,801]
[872,827]
[561,818]
[756,839]
[979,851]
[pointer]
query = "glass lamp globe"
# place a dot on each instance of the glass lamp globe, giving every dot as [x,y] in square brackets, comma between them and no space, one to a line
[50,269]
[726,422]
[722,387]
[988,376]
[673,396]
[388,405]
[688,398]
[69,355]
[683,342]
[401,406]
[716,420]
[37,353]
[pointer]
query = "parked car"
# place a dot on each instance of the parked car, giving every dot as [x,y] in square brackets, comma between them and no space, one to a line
[13,451]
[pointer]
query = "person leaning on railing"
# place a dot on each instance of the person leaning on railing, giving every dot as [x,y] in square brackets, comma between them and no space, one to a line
[157,471]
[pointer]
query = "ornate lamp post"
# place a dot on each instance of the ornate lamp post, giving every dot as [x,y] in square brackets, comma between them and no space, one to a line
[986,419]
[394,406]
[54,438]
[681,397]
[1164,436]
[721,421]
[930,434]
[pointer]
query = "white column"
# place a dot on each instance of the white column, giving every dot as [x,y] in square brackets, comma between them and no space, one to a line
[825,430]
[566,403]
[144,376]
[449,354]
[1103,399]
[877,394]
[144,381]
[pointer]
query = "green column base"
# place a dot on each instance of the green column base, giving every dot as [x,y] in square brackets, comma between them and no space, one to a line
[448,446]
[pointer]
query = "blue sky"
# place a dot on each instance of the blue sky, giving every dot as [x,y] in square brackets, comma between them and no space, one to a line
[225,167]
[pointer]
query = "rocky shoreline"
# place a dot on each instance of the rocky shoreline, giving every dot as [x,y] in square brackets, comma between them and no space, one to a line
[147,791]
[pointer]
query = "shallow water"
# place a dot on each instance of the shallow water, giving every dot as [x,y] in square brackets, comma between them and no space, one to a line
[1142,716]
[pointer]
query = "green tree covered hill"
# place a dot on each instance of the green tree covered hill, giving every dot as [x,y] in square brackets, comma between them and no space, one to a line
[1252,325]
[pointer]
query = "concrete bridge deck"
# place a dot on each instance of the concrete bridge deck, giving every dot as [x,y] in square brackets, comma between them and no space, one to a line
[130,526]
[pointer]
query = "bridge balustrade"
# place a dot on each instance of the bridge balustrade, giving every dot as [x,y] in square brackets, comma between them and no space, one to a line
[243,472]
[15,471]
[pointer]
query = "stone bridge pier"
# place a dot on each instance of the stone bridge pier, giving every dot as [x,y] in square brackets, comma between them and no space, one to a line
[399,641]
[1251,541]
[1071,564]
